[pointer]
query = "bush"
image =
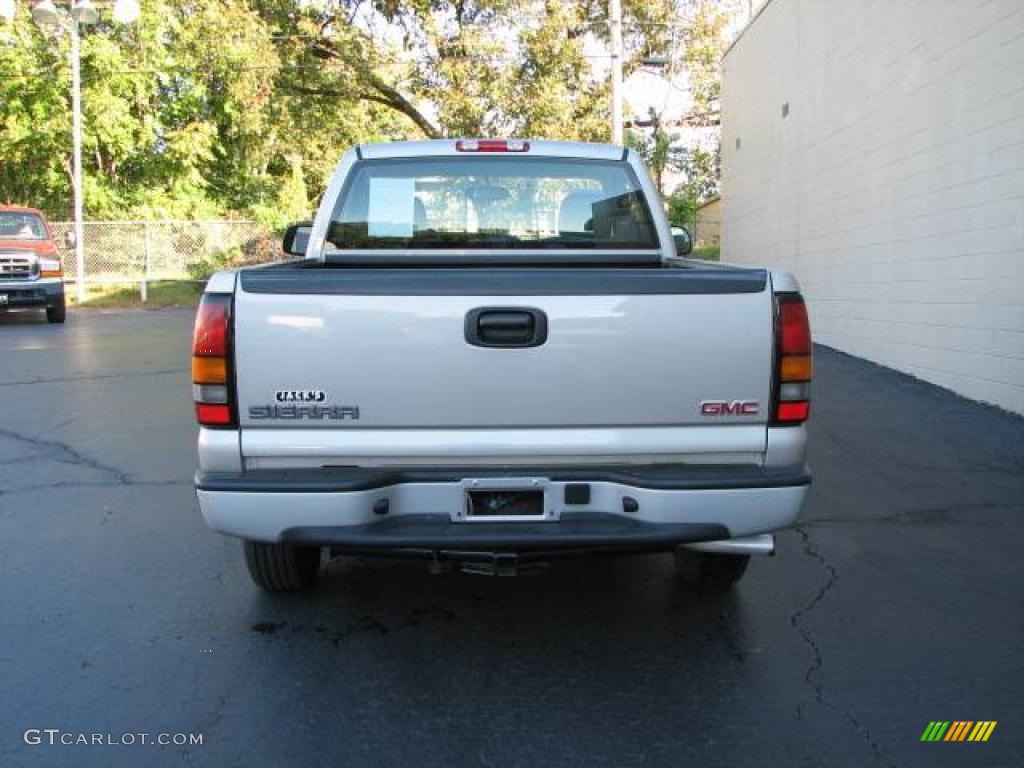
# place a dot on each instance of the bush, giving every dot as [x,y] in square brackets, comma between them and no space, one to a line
[682,209]
[222,258]
[706,252]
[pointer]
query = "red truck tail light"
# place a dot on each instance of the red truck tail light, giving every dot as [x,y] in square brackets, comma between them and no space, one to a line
[211,356]
[795,368]
[492,145]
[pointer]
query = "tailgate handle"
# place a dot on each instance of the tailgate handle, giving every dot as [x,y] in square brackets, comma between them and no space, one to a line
[514,327]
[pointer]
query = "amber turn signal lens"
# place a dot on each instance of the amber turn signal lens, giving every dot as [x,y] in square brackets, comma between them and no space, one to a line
[796,368]
[209,370]
[51,273]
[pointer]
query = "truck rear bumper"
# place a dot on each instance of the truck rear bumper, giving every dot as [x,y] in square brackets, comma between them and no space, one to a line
[583,530]
[622,508]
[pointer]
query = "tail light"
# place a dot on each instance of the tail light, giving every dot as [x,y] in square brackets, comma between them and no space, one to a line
[793,360]
[492,145]
[211,360]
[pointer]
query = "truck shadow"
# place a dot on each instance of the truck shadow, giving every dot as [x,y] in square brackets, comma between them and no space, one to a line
[574,609]
[22,317]
[589,657]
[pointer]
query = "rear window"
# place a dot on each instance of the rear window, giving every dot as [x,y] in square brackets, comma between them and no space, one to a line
[485,203]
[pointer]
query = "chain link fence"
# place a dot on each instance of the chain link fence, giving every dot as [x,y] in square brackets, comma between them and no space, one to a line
[141,252]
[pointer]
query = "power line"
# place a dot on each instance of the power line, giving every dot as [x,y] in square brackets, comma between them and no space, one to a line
[214,69]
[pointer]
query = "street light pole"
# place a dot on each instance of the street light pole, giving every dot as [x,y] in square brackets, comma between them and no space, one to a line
[76,160]
[51,20]
[615,23]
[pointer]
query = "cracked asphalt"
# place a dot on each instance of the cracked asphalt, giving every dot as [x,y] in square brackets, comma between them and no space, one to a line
[896,602]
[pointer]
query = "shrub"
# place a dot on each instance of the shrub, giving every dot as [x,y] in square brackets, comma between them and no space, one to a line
[221,258]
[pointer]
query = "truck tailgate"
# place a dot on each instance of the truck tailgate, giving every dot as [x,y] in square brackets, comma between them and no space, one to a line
[344,350]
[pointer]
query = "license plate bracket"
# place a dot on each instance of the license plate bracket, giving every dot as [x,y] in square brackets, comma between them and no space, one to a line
[504,503]
[505,500]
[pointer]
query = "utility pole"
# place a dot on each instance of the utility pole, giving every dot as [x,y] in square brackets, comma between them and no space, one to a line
[51,20]
[76,141]
[615,20]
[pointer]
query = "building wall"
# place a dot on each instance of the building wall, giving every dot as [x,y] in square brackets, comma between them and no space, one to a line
[707,227]
[894,187]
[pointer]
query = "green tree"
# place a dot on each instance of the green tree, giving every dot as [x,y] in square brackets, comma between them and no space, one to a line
[35,119]
[209,108]
[682,209]
[705,40]
[484,68]
[701,35]
[660,150]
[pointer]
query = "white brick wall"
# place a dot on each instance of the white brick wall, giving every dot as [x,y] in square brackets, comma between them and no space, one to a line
[894,188]
[707,228]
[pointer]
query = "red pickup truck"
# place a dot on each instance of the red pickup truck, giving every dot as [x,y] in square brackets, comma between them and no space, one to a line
[30,270]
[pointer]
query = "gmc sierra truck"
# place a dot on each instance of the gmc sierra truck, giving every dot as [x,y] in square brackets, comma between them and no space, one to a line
[488,353]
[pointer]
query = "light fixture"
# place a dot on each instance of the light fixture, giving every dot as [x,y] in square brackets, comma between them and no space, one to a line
[84,12]
[7,10]
[45,14]
[655,61]
[127,11]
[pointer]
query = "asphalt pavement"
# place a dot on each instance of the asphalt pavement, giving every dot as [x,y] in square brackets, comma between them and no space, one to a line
[898,601]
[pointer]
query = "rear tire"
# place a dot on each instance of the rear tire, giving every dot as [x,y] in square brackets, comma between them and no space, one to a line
[58,313]
[708,571]
[282,567]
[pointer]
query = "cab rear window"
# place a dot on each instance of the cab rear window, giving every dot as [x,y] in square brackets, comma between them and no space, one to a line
[487,202]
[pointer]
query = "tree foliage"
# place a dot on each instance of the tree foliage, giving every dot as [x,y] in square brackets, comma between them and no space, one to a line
[486,68]
[693,154]
[207,108]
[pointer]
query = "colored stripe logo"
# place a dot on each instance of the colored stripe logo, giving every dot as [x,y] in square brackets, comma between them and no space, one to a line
[959,730]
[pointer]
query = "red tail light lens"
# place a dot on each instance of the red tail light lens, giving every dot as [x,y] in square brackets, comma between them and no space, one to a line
[213,415]
[211,360]
[793,360]
[794,328]
[793,412]
[210,338]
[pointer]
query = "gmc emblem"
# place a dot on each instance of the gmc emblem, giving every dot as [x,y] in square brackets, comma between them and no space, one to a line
[729,407]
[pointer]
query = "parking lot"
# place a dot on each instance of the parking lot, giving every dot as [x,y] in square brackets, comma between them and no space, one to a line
[897,602]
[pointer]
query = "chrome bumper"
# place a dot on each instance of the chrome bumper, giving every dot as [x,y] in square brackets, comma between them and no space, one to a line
[712,511]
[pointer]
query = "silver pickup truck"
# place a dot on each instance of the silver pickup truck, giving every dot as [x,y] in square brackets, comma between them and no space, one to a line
[489,353]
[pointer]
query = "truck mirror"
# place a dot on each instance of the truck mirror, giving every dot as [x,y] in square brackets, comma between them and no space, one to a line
[296,238]
[69,239]
[683,241]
